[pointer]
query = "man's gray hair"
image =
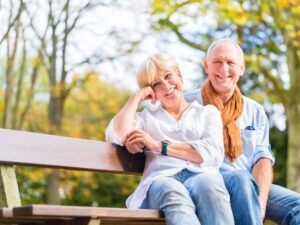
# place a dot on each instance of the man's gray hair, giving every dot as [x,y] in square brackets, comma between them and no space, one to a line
[225,41]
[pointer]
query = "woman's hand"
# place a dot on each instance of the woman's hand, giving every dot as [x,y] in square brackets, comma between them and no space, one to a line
[134,148]
[146,93]
[137,138]
[124,120]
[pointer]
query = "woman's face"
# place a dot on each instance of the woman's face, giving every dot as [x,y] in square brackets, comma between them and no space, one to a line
[167,87]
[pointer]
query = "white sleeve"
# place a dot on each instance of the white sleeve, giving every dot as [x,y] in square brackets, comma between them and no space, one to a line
[210,144]
[112,137]
[110,134]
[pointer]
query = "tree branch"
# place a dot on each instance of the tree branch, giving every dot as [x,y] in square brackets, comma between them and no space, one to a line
[166,22]
[280,91]
[20,10]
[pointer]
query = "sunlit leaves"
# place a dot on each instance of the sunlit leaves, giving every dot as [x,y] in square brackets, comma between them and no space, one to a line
[90,107]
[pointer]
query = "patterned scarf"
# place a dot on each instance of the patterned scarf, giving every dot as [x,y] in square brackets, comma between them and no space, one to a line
[230,113]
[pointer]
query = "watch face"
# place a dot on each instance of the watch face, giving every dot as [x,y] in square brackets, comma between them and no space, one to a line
[165,141]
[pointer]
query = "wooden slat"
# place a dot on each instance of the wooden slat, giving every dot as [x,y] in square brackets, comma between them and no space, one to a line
[44,214]
[107,222]
[85,211]
[6,212]
[43,150]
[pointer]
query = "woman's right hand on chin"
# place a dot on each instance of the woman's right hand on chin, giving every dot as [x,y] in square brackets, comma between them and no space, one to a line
[146,93]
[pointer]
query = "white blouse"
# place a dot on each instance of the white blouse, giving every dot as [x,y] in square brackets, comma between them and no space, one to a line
[199,126]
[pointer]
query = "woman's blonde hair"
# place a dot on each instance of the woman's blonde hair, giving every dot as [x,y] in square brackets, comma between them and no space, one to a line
[149,68]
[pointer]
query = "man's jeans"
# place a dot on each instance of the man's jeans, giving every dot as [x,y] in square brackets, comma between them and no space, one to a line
[192,198]
[243,192]
[283,206]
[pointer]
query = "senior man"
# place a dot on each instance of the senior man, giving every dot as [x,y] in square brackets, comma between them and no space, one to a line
[247,169]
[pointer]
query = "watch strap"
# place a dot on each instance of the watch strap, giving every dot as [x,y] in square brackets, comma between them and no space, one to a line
[164,146]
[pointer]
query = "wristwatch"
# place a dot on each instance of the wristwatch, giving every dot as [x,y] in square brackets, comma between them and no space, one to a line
[164,146]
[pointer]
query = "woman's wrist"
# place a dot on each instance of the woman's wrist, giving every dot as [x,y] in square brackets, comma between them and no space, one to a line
[137,96]
[156,146]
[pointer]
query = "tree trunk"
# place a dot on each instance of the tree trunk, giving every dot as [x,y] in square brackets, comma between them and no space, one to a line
[55,113]
[9,76]
[19,85]
[293,165]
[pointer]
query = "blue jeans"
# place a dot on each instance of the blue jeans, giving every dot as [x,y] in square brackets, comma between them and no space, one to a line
[243,192]
[283,206]
[191,198]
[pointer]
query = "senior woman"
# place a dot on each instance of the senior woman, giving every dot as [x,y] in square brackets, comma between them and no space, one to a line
[183,144]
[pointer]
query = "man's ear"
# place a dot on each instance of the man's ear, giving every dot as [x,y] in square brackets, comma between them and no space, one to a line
[179,75]
[205,66]
[242,68]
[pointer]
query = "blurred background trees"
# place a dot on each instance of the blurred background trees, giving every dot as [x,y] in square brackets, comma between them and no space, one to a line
[42,91]
[61,63]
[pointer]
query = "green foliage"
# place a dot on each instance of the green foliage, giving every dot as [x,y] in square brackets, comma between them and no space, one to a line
[77,188]
[278,141]
[97,189]
[32,185]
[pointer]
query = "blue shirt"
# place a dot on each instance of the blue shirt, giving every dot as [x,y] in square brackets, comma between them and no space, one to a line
[254,127]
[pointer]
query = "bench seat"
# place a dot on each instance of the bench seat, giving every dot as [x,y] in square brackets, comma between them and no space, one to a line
[50,151]
[48,214]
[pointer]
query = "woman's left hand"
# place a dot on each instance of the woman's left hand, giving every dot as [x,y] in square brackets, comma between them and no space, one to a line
[137,136]
[134,148]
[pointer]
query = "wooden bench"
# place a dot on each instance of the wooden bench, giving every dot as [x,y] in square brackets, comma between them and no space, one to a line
[49,151]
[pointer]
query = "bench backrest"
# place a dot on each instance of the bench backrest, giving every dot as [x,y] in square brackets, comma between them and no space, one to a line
[43,150]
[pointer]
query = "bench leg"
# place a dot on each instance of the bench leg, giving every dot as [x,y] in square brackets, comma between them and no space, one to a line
[9,191]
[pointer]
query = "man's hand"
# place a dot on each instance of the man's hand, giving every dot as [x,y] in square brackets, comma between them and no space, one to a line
[263,175]
[137,139]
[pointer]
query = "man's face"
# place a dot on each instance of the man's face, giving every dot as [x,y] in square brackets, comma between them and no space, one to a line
[224,67]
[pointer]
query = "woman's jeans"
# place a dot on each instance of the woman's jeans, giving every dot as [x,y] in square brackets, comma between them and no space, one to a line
[190,198]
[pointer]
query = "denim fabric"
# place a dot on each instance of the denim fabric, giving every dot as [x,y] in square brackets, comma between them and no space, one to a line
[283,206]
[243,192]
[192,198]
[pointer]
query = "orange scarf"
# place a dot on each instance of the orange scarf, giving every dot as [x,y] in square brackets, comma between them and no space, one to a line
[230,113]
